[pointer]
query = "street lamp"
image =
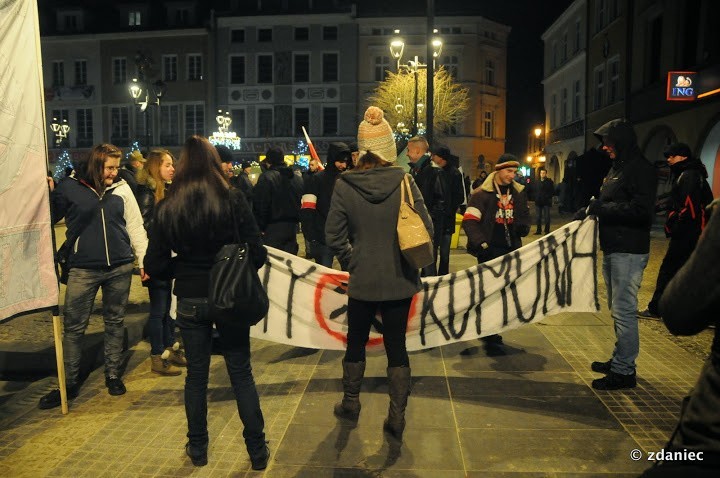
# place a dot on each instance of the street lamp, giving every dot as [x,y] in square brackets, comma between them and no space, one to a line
[144,95]
[61,130]
[397,48]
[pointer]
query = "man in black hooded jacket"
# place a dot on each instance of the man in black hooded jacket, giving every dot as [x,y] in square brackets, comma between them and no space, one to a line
[316,202]
[625,210]
[686,217]
[276,203]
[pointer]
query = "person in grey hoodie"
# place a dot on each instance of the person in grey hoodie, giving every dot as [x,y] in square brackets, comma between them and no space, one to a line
[361,228]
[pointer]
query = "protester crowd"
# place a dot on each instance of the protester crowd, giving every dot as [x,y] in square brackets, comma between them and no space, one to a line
[168,219]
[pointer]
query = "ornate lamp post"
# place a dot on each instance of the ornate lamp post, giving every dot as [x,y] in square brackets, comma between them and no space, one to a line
[397,48]
[61,131]
[144,95]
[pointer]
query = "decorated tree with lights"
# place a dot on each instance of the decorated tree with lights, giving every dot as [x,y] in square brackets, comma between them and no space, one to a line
[135,147]
[61,164]
[396,96]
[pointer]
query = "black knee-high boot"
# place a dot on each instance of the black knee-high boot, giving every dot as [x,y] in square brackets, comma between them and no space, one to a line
[400,382]
[349,407]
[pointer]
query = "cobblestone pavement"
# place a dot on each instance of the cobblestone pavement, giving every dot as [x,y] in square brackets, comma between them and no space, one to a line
[531,412]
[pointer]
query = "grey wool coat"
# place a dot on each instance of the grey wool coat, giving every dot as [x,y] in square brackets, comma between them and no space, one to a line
[361,229]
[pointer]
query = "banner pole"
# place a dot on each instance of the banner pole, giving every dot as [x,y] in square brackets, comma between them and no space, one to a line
[57,326]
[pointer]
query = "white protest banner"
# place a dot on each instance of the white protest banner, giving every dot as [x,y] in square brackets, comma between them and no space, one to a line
[27,272]
[551,275]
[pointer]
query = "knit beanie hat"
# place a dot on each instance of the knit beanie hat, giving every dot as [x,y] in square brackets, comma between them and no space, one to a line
[507,160]
[375,134]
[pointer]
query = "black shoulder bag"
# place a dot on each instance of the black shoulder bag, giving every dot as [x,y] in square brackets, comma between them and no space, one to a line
[62,256]
[235,292]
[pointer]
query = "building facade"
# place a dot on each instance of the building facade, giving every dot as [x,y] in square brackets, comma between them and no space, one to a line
[272,66]
[564,87]
[631,49]
[474,51]
[88,69]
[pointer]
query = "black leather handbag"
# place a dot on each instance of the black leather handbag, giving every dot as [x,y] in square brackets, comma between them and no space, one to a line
[236,294]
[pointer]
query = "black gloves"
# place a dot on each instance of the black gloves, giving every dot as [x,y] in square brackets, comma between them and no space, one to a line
[594,207]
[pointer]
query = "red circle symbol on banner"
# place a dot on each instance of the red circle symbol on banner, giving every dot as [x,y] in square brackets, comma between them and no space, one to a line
[340,280]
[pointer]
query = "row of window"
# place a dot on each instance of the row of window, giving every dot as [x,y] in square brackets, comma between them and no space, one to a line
[560,49]
[329,33]
[194,123]
[565,115]
[450,62]
[301,68]
[169,66]
[606,82]
[605,12]
[79,69]
[193,70]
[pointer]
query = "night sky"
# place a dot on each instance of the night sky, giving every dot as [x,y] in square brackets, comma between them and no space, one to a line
[528,19]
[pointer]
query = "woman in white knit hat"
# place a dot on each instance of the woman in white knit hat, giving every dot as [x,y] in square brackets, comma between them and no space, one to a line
[361,229]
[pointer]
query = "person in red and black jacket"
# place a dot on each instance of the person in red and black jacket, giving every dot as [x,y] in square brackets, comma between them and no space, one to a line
[495,221]
[686,217]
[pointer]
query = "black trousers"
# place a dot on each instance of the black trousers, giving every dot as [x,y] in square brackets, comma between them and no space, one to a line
[394,314]
[283,236]
[677,254]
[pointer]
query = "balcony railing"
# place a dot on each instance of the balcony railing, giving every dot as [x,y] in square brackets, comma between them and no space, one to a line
[570,130]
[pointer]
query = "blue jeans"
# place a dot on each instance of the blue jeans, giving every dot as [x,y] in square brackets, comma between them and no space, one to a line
[543,217]
[196,329]
[161,327]
[82,287]
[623,273]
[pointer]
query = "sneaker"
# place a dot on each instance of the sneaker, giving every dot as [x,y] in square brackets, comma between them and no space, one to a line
[260,462]
[601,367]
[52,399]
[615,381]
[115,386]
[648,314]
[197,455]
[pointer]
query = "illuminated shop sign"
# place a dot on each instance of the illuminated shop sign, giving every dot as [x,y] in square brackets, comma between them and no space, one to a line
[681,86]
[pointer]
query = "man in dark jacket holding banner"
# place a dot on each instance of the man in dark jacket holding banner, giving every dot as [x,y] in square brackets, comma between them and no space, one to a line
[496,220]
[625,212]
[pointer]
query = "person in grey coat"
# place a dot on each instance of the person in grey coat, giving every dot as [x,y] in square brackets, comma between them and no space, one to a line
[361,228]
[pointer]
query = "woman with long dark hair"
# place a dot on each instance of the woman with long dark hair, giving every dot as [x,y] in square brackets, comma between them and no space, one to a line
[195,220]
[152,182]
[361,229]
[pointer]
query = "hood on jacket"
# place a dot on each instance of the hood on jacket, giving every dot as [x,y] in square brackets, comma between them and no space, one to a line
[337,151]
[284,170]
[690,163]
[488,185]
[374,185]
[143,177]
[621,134]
